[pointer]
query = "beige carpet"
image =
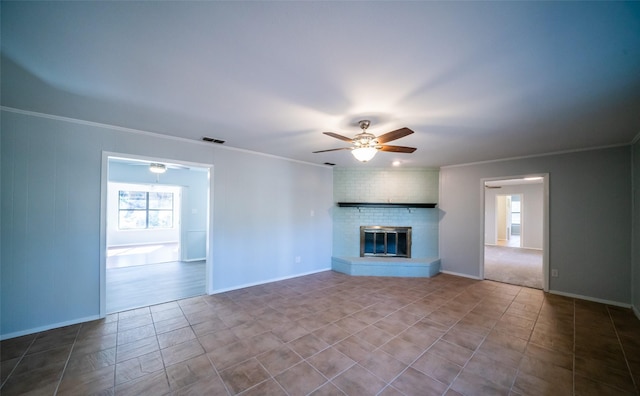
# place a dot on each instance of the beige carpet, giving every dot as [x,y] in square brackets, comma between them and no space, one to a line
[516,266]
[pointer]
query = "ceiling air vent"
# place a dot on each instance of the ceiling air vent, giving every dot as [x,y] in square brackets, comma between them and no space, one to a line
[212,140]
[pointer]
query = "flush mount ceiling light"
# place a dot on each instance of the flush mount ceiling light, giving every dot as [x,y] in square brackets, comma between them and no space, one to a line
[157,168]
[366,145]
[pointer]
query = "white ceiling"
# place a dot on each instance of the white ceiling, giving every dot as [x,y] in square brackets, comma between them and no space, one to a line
[475,80]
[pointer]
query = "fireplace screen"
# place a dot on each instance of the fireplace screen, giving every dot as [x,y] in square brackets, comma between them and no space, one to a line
[385,241]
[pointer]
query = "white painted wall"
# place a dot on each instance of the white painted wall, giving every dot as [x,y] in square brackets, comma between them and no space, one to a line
[589,225]
[531,216]
[50,210]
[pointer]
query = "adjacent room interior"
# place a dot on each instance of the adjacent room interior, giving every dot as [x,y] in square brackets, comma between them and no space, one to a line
[513,237]
[156,234]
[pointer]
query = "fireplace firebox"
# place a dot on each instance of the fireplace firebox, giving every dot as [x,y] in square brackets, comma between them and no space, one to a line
[384,241]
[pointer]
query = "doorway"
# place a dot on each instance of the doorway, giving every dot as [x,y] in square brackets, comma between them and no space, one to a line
[515,231]
[155,232]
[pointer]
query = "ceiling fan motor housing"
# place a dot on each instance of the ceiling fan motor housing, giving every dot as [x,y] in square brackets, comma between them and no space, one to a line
[365,139]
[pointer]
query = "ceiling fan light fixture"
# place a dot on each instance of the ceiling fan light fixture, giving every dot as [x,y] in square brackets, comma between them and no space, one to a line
[366,145]
[157,168]
[364,154]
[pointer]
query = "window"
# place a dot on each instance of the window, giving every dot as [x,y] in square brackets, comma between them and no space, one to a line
[139,210]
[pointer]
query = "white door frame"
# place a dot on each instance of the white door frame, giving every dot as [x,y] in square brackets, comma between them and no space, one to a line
[104,179]
[545,223]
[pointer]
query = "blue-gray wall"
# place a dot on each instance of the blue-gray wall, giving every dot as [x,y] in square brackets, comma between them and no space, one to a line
[50,211]
[589,219]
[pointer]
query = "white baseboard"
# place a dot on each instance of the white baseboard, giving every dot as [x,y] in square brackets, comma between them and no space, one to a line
[461,275]
[217,291]
[587,298]
[48,327]
[127,245]
[560,293]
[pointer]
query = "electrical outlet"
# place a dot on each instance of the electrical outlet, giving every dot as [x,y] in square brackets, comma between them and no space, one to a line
[554,273]
[298,259]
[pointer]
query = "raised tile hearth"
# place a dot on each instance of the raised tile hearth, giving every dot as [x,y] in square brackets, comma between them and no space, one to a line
[387,266]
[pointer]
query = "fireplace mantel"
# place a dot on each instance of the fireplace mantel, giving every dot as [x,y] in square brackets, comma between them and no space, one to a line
[385,205]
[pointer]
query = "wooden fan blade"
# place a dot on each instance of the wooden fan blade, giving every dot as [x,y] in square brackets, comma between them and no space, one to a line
[335,135]
[398,149]
[336,149]
[393,135]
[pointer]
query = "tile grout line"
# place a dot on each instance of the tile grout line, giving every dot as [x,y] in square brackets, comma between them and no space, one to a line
[19,360]
[387,384]
[438,339]
[449,328]
[528,341]
[624,354]
[155,332]
[215,369]
[480,344]
[66,363]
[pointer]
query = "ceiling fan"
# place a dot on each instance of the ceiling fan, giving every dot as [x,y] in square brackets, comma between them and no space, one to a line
[366,145]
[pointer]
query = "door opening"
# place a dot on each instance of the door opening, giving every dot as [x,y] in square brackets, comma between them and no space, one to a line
[155,229]
[515,231]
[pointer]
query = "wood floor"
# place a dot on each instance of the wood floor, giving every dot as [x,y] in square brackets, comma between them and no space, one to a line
[144,285]
[152,253]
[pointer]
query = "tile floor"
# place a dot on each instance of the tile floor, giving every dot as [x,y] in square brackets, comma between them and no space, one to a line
[332,334]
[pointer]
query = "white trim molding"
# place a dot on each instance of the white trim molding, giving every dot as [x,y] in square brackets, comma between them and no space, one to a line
[218,291]
[460,275]
[593,299]
[147,133]
[48,327]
